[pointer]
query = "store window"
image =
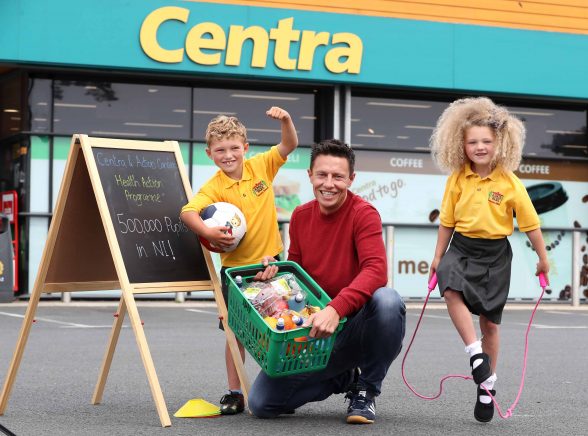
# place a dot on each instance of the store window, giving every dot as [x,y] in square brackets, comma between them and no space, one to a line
[11,111]
[553,132]
[250,107]
[40,105]
[393,124]
[407,125]
[121,110]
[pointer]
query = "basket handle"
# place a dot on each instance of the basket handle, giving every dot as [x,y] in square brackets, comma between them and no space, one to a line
[284,267]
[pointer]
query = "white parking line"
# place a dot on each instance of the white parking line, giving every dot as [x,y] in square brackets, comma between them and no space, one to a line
[428,316]
[62,323]
[83,326]
[539,326]
[544,326]
[559,312]
[202,311]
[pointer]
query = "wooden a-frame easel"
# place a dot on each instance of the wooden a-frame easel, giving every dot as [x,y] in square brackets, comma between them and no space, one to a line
[65,266]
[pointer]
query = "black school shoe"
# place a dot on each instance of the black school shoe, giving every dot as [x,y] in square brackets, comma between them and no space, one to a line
[484,412]
[481,373]
[232,403]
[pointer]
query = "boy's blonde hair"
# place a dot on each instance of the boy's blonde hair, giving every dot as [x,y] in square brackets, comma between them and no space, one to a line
[447,141]
[224,127]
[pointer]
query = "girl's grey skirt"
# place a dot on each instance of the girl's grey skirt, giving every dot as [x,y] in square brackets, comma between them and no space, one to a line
[480,270]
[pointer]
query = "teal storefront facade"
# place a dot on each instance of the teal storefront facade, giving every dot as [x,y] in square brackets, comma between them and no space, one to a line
[396,52]
[161,69]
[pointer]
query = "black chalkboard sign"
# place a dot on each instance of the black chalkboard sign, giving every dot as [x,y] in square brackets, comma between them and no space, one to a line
[116,224]
[144,194]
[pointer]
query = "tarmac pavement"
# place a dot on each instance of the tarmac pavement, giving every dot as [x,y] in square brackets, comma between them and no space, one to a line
[59,369]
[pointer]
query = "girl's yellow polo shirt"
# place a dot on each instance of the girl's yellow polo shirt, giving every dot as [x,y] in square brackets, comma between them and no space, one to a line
[254,195]
[483,208]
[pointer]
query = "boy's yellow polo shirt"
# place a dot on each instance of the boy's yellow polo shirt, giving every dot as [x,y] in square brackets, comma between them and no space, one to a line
[254,195]
[483,208]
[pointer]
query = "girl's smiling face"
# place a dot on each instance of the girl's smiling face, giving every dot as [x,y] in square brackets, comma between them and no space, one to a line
[480,148]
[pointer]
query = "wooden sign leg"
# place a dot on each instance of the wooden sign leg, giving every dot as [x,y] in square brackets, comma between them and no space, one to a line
[146,358]
[107,361]
[20,346]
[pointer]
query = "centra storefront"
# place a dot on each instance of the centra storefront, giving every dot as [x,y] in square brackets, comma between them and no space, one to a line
[377,76]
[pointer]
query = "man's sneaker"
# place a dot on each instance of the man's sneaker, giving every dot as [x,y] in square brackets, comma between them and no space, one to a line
[232,403]
[362,407]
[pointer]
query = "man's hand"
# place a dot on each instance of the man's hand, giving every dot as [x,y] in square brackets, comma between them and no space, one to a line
[324,323]
[270,270]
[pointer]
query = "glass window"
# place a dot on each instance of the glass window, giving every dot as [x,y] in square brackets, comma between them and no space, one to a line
[10,106]
[553,132]
[250,107]
[393,124]
[121,110]
[40,105]
[396,124]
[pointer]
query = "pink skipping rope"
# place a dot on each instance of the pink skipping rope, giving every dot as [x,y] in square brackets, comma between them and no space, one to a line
[508,414]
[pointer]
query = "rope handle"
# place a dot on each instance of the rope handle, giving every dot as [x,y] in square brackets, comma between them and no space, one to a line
[542,281]
[433,282]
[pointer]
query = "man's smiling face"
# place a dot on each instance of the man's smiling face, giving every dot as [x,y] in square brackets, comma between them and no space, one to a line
[330,179]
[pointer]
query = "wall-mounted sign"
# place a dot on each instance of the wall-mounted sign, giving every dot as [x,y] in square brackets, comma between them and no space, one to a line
[206,41]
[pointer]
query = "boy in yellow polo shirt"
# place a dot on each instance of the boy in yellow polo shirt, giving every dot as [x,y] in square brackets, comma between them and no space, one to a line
[481,143]
[246,183]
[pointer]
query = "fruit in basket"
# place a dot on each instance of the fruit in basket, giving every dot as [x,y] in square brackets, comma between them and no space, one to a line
[271,321]
[309,310]
[288,323]
[281,305]
[268,303]
[227,215]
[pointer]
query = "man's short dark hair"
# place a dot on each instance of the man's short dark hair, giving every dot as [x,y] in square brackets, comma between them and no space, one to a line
[333,147]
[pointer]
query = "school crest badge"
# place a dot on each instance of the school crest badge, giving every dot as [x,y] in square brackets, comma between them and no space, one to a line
[495,197]
[259,188]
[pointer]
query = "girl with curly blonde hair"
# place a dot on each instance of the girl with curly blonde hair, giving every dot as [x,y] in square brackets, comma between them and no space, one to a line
[481,144]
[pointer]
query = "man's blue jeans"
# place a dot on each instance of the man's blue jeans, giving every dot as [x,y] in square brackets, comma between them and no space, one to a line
[370,340]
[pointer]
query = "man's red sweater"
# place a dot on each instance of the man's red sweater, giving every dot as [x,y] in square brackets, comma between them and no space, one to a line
[343,251]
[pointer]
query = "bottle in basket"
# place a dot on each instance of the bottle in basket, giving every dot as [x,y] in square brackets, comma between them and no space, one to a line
[297,302]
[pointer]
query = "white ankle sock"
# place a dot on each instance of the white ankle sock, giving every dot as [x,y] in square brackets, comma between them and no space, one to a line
[473,349]
[488,384]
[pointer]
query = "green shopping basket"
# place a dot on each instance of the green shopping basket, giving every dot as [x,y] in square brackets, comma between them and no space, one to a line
[278,353]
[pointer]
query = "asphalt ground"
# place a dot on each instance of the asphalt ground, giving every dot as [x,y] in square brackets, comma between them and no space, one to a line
[59,369]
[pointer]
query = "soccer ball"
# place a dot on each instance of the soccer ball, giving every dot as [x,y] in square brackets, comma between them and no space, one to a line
[228,215]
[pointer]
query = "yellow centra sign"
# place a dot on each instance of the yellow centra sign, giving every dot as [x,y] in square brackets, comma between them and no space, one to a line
[205,42]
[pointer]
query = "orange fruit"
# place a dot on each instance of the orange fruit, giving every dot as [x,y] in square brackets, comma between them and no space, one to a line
[288,323]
